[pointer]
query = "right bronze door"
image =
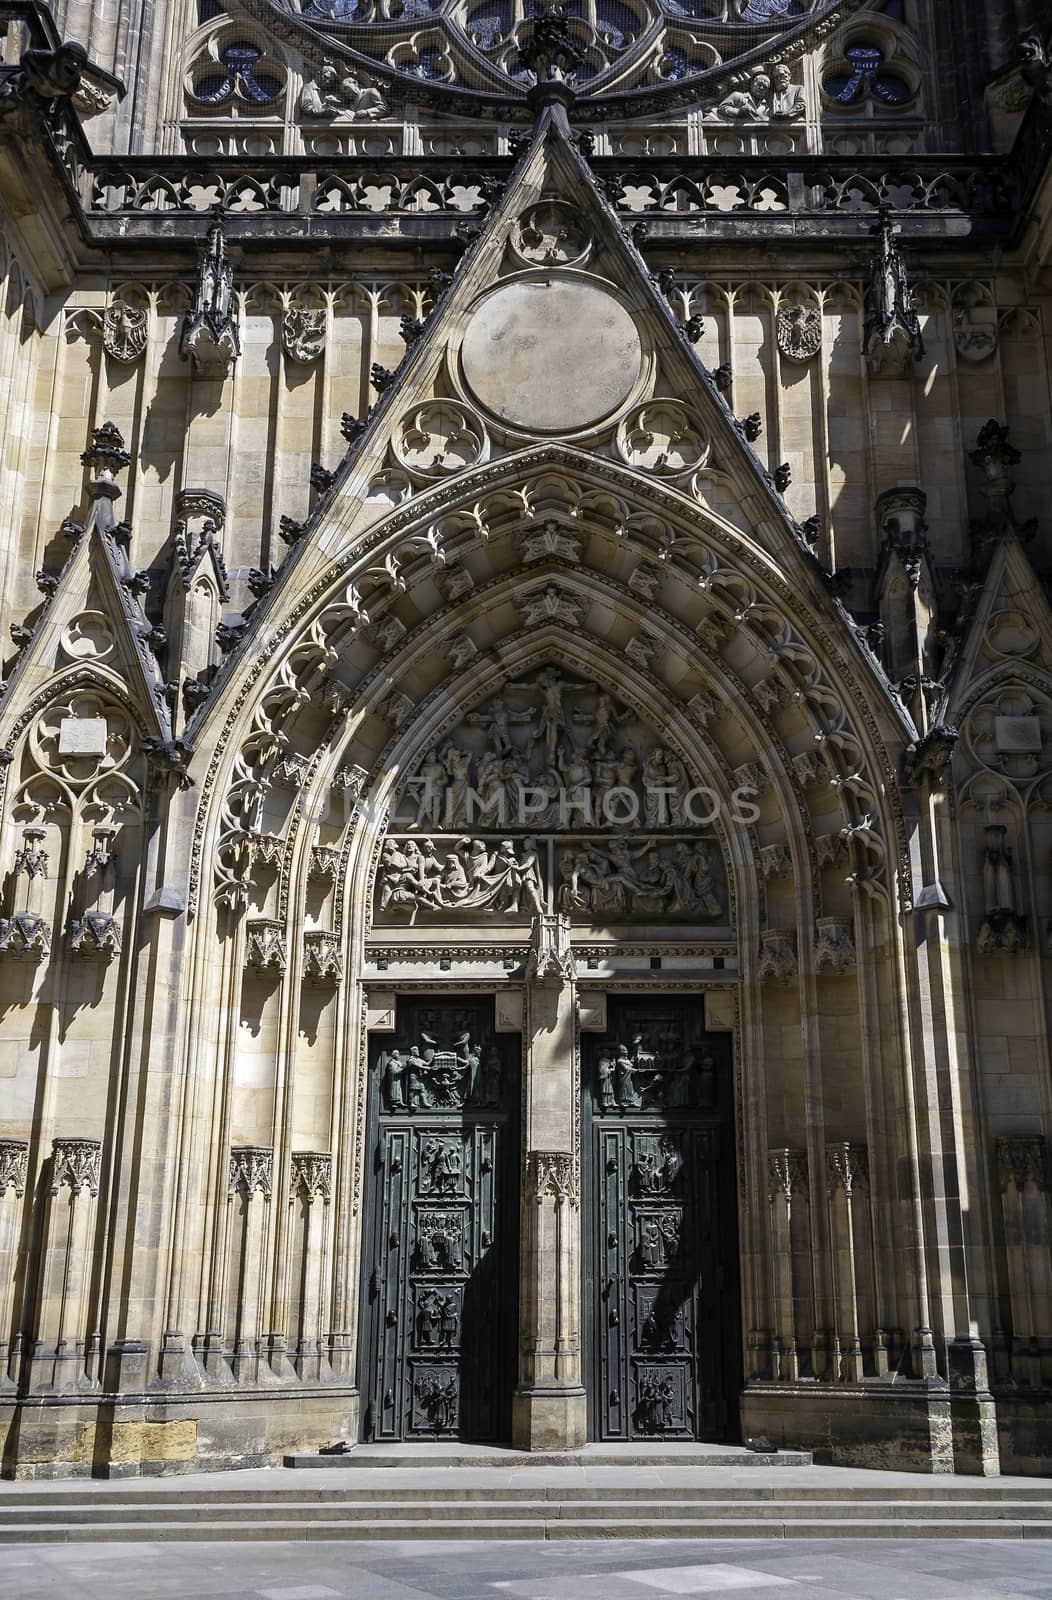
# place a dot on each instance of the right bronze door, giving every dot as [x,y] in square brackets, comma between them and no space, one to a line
[661,1280]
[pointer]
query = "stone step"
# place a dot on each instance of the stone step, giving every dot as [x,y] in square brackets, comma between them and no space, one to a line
[273,1489]
[605,1455]
[424,1528]
[498,1509]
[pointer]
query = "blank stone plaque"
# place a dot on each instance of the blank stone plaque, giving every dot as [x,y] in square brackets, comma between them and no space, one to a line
[82,736]
[1017,735]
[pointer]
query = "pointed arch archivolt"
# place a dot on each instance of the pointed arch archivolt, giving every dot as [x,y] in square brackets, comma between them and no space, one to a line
[725,625]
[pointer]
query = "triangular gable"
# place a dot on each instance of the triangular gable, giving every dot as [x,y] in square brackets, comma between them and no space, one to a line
[94,622]
[1010,623]
[443,415]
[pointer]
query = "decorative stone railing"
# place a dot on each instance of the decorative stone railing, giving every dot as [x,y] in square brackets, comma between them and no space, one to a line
[432,198]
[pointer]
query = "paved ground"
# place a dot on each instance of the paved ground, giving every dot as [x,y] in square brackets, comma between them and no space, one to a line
[841,1569]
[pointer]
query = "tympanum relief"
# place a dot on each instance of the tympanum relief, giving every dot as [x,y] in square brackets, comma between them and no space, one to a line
[551,796]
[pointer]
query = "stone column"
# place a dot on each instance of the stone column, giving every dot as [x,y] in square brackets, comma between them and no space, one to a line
[310,1198]
[549,1411]
[14,1155]
[788,1199]
[847,1172]
[60,1347]
[1024,1170]
[249,1193]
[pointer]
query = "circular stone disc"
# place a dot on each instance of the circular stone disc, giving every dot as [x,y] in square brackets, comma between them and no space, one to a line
[551,354]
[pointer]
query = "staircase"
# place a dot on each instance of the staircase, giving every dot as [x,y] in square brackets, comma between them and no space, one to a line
[451,1492]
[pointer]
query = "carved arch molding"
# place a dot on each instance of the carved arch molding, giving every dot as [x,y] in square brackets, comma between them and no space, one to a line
[427,654]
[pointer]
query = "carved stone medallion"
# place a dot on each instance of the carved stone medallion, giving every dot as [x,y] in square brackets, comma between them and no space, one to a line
[551,354]
[439,438]
[551,233]
[799,331]
[124,331]
[663,437]
[303,333]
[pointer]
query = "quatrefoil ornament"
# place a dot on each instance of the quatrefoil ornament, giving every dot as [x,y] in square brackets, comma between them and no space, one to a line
[440,439]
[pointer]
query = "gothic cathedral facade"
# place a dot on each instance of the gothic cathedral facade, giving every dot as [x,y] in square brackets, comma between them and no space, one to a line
[525,782]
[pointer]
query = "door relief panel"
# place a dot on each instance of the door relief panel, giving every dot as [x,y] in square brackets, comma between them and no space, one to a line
[439,1313]
[660,1215]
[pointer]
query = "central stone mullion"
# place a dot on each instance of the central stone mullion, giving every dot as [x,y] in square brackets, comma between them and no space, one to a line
[549,1411]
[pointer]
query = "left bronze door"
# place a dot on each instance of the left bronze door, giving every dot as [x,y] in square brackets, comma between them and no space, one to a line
[441,1242]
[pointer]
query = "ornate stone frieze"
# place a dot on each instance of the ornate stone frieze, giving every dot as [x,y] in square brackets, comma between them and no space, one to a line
[648,880]
[550,755]
[470,877]
[1023,1160]
[76,1163]
[303,333]
[14,1162]
[251,1170]
[847,1166]
[551,1174]
[265,945]
[834,946]
[777,956]
[786,1173]
[322,958]
[312,1175]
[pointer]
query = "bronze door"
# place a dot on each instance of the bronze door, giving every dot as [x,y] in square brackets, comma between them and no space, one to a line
[661,1291]
[440,1255]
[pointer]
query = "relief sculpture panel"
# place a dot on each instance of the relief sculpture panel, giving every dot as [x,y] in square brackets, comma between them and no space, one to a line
[552,796]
